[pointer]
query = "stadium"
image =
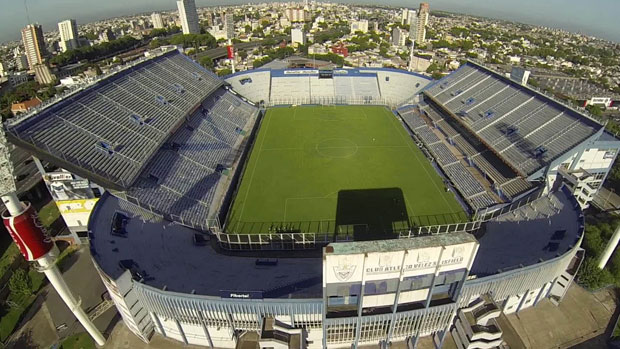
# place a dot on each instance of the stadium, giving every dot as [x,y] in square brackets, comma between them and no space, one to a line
[324,208]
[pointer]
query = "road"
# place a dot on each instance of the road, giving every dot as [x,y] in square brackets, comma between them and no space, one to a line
[220,52]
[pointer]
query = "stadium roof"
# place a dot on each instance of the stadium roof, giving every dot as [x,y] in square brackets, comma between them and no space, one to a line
[164,254]
[525,128]
[109,130]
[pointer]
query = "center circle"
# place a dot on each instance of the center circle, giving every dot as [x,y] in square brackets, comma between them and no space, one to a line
[336,148]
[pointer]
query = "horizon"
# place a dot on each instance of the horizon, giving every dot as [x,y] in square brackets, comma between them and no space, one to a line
[598,21]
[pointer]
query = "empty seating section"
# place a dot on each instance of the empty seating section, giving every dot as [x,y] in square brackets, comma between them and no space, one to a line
[446,129]
[464,146]
[528,129]
[114,127]
[481,200]
[462,179]
[294,89]
[431,113]
[427,136]
[515,186]
[182,178]
[443,155]
[322,88]
[390,85]
[255,85]
[485,166]
[411,118]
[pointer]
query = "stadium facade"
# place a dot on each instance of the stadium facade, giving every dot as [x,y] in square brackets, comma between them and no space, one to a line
[168,139]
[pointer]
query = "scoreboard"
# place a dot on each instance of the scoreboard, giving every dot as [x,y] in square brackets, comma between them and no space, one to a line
[326,74]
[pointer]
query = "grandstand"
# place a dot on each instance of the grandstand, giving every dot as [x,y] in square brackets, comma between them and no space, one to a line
[523,128]
[346,86]
[179,150]
[159,134]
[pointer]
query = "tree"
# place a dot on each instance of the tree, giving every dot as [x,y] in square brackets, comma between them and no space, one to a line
[437,75]
[591,277]
[206,62]
[224,72]
[20,283]
[595,110]
[432,68]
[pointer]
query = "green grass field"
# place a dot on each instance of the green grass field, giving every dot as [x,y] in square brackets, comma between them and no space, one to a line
[338,169]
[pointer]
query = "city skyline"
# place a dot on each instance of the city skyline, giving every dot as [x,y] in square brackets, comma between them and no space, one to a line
[598,19]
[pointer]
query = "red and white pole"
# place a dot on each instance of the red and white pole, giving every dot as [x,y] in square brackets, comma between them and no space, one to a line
[35,244]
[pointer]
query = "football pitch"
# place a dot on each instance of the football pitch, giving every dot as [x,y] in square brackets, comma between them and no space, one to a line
[338,169]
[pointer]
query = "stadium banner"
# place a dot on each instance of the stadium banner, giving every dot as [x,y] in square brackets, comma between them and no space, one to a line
[231,51]
[378,265]
[241,294]
[76,206]
[65,186]
[26,229]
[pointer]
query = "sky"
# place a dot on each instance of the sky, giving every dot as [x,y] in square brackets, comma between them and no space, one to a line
[594,17]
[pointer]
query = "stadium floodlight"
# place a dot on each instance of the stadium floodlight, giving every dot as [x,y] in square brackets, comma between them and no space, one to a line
[32,239]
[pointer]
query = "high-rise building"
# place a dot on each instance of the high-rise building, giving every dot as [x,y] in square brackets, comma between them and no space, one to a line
[210,19]
[411,18]
[43,75]
[297,15]
[188,16]
[298,36]
[69,39]
[399,37]
[404,16]
[422,22]
[424,12]
[413,27]
[229,25]
[34,45]
[359,26]
[21,61]
[107,35]
[157,20]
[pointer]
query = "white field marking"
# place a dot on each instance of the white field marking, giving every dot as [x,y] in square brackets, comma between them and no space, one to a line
[421,164]
[410,207]
[307,198]
[359,146]
[260,151]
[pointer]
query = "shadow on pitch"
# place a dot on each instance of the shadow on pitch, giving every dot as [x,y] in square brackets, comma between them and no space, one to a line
[368,214]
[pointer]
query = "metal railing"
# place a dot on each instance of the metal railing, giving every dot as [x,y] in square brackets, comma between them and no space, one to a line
[326,101]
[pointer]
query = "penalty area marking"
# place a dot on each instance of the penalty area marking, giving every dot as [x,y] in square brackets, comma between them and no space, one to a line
[326,197]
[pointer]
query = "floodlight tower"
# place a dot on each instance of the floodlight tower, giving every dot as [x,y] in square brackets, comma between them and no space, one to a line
[35,244]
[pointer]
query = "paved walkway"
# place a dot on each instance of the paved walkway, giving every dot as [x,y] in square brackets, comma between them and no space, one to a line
[38,329]
[122,338]
[580,317]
